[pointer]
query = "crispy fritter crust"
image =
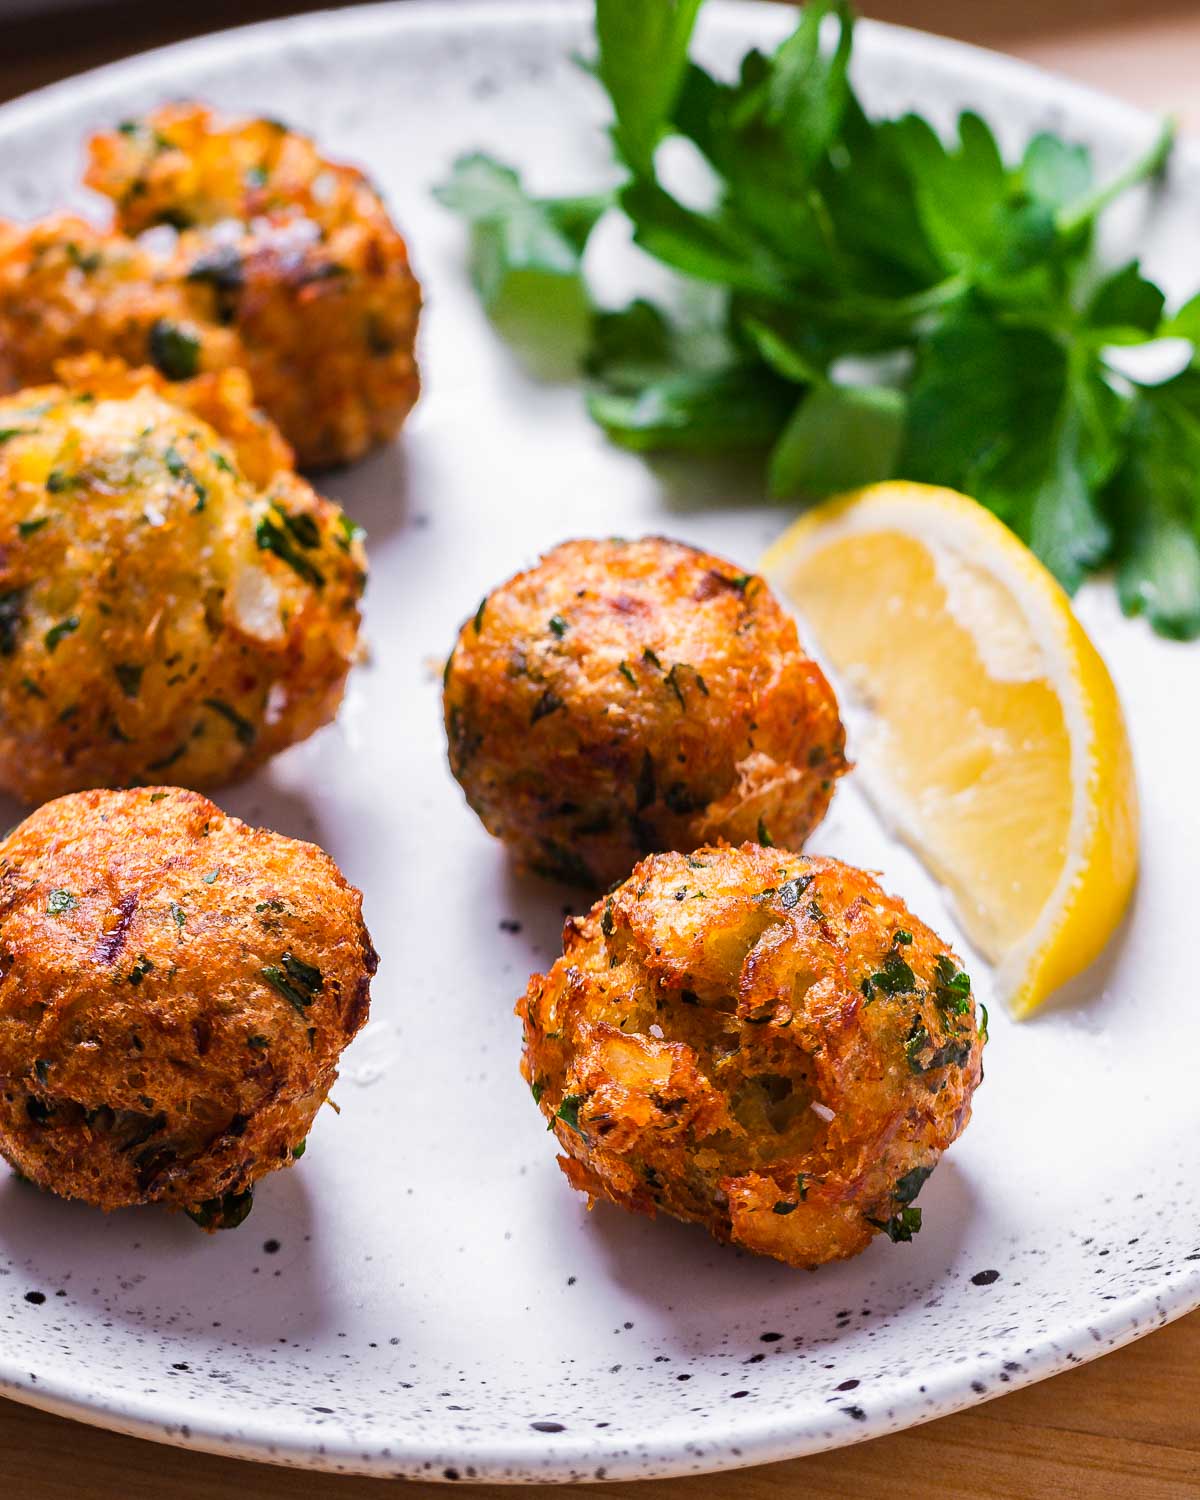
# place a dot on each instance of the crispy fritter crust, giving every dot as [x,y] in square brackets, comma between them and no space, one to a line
[177,989]
[762,1043]
[285,264]
[169,595]
[624,697]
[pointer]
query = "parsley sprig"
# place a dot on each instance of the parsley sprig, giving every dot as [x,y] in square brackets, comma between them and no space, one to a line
[888,302]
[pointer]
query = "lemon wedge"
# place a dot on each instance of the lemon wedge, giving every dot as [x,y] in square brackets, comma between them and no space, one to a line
[993,741]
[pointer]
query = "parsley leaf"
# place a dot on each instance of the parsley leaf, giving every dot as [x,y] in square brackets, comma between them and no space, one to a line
[901,1227]
[699,411]
[299,983]
[525,254]
[643,52]
[222,1213]
[1154,501]
[840,437]
[173,351]
[60,902]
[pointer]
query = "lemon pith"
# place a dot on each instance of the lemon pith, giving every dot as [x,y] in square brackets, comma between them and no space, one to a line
[995,745]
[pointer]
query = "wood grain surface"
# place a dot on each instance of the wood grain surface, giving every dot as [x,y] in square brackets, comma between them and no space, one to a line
[1127,1426]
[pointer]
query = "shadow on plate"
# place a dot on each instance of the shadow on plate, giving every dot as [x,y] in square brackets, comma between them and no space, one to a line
[374,492]
[261,1284]
[713,482]
[657,1262]
[1091,990]
[540,906]
[268,802]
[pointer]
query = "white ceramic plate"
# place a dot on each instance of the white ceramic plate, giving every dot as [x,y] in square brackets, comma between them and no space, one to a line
[425,1296]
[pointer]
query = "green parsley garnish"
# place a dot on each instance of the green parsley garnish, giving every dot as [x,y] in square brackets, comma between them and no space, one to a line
[895,977]
[173,351]
[568,1111]
[242,728]
[954,1051]
[790,893]
[908,1186]
[548,703]
[347,532]
[952,988]
[303,527]
[12,617]
[179,469]
[129,675]
[30,528]
[57,632]
[558,626]
[279,533]
[59,902]
[901,1227]
[994,342]
[672,680]
[140,969]
[222,1213]
[764,836]
[299,983]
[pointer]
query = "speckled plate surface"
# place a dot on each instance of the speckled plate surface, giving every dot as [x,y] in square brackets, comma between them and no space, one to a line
[425,1296]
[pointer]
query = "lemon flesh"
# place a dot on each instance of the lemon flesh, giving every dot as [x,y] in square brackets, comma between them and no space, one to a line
[994,742]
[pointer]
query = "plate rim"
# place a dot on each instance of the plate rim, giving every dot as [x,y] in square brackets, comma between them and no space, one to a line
[735,1444]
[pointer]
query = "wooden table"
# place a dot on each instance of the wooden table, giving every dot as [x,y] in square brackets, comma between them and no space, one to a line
[1126,1426]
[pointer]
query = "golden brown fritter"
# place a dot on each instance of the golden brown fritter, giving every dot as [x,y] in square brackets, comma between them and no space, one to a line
[762,1043]
[284,264]
[169,596]
[622,697]
[177,991]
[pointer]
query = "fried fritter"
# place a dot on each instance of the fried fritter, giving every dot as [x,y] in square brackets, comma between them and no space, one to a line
[623,697]
[177,991]
[264,256]
[762,1043]
[170,596]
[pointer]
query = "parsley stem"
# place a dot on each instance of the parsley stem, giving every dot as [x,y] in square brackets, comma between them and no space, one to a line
[930,300]
[1074,216]
[891,309]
